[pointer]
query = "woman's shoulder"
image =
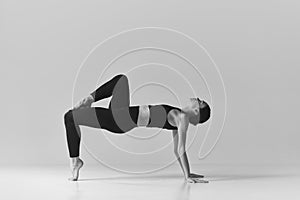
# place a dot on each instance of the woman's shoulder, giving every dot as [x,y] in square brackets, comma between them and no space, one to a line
[177,115]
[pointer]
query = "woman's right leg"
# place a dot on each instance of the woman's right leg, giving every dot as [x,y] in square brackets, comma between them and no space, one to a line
[118,88]
[108,88]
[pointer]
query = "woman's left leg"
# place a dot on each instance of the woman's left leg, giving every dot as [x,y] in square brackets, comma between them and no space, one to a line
[72,120]
[118,88]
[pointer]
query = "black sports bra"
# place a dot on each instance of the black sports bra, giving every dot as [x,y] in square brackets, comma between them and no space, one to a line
[159,116]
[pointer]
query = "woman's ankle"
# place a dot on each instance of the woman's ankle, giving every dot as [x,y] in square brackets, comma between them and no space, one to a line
[74,160]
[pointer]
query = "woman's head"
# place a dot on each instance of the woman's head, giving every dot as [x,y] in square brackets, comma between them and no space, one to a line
[199,111]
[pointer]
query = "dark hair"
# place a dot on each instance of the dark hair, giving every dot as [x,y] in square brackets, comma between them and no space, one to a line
[204,111]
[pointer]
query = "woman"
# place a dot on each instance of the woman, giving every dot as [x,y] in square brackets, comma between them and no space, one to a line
[120,118]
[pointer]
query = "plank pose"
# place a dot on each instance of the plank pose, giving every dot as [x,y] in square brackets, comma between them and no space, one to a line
[121,117]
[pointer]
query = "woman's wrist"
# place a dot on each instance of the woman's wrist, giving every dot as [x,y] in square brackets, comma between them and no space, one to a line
[186,175]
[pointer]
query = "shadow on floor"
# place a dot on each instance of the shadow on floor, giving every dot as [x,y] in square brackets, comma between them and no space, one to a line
[211,178]
[135,177]
[234,177]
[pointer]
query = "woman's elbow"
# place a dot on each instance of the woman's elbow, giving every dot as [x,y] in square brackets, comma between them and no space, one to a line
[180,150]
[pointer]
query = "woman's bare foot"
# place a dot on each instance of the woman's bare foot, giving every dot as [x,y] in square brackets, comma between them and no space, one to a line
[76,164]
[84,103]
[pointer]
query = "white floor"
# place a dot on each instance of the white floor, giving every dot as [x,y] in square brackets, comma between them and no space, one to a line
[96,182]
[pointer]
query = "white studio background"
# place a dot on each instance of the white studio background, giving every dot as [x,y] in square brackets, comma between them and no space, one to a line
[255,45]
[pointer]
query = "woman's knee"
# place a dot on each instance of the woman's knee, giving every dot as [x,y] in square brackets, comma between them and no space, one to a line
[68,116]
[122,77]
[123,81]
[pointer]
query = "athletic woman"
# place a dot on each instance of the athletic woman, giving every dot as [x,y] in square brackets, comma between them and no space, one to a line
[120,118]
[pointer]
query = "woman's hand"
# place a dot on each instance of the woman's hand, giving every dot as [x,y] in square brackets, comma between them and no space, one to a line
[196,175]
[195,180]
[84,103]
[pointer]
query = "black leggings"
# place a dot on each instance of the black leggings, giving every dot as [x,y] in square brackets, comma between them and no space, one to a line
[99,117]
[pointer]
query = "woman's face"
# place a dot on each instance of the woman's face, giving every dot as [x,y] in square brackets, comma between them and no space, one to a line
[194,108]
[193,103]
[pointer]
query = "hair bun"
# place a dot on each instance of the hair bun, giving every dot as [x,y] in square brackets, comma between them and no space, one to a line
[204,113]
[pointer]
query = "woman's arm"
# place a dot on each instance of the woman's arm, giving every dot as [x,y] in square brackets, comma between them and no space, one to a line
[175,142]
[182,131]
[180,139]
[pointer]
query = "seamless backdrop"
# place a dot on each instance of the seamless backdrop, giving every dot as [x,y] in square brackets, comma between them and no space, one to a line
[255,44]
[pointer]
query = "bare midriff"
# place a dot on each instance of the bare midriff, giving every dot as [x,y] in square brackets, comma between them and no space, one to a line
[144,115]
